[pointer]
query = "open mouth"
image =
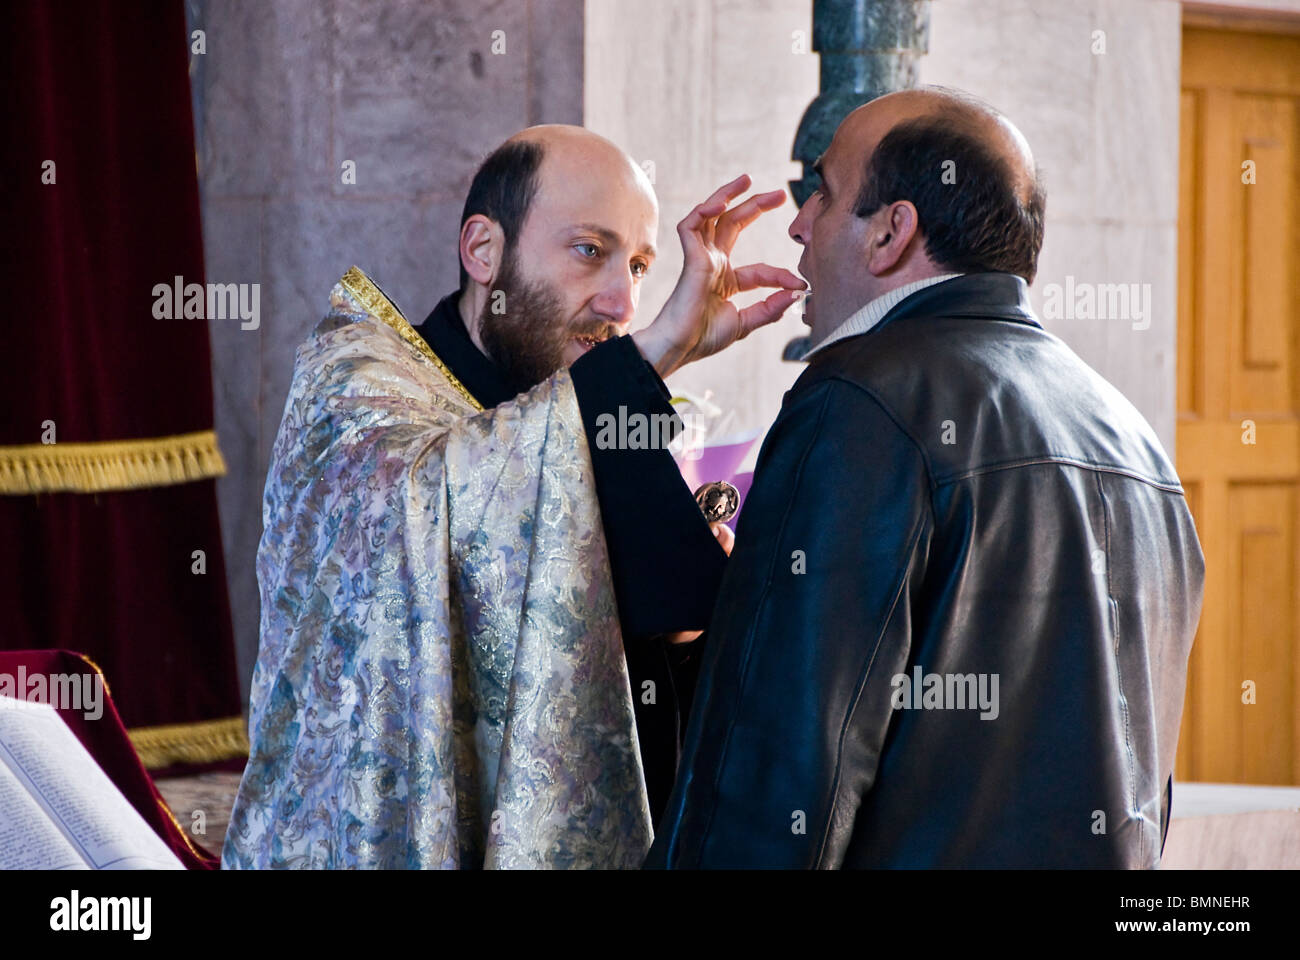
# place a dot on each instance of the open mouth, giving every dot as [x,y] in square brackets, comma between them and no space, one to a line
[588,342]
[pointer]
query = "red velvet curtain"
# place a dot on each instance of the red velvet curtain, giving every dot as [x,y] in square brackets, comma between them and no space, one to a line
[103,205]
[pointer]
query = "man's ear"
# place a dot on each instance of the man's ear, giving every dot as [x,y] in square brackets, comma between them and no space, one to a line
[892,231]
[481,247]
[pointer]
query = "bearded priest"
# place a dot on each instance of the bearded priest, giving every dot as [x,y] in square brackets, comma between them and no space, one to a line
[465,598]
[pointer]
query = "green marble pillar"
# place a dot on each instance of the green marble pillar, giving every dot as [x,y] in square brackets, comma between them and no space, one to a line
[867,48]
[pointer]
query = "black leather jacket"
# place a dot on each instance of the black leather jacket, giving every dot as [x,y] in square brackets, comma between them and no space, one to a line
[955,493]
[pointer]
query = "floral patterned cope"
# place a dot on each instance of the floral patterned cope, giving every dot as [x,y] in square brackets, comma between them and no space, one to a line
[441,681]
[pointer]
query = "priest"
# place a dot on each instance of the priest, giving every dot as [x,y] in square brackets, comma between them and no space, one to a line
[455,578]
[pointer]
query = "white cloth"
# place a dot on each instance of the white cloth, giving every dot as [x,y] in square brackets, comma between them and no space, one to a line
[874,311]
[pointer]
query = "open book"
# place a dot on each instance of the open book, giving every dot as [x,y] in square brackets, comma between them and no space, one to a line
[58,809]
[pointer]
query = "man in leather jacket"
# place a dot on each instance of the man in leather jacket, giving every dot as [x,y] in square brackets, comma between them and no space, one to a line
[954,631]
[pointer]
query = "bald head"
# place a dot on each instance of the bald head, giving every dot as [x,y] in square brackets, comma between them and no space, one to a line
[558,163]
[866,126]
[571,153]
[915,185]
[964,166]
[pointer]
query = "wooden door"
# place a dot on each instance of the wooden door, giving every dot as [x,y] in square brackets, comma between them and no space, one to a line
[1238,445]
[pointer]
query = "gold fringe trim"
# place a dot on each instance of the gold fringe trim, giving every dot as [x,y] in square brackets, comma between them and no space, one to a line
[110,464]
[375,303]
[205,741]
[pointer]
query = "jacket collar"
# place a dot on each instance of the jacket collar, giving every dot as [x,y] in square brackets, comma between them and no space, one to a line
[991,296]
[875,310]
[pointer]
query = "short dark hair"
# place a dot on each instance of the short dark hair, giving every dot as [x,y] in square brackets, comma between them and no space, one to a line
[502,190]
[978,224]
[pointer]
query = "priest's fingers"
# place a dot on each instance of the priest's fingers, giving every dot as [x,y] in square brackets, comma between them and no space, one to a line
[726,539]
[765,275]
[742,215]
[698,225]
[766,311]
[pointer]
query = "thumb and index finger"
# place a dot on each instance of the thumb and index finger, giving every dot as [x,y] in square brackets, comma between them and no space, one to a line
[707,233]
[724,535]
[790,289]
[767,310]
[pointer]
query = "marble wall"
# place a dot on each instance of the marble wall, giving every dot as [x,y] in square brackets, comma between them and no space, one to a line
[285,93]
[1104,130]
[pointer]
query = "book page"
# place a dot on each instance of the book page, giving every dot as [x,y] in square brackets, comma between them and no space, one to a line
[58,773]
[28,840]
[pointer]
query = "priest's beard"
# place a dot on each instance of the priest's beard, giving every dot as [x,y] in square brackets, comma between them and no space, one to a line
[528,339]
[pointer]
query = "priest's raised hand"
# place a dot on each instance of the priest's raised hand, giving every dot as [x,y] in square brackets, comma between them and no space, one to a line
[699,319]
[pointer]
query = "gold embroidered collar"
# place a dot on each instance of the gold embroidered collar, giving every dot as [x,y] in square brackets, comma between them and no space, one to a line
[374,302]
